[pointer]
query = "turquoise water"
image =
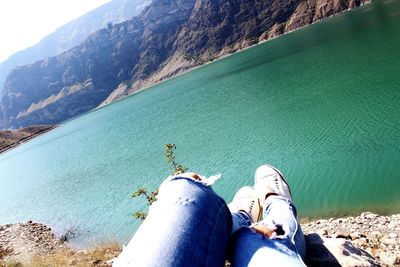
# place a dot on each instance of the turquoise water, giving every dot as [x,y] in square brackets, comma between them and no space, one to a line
[322,104]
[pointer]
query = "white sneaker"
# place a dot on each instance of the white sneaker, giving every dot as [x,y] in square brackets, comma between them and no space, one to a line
[269,181]
[246,200]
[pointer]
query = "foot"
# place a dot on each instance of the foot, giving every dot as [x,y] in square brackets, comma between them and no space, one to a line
[269,181]
[247,201]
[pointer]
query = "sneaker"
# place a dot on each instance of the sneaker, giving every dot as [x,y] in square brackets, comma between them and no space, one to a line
[246,200]
[269,181]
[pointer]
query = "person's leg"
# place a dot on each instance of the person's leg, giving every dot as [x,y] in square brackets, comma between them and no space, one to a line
[277,240]
[189,225]
[245,208]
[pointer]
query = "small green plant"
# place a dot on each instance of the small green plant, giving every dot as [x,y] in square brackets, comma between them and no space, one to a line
[152,196]
[171,158]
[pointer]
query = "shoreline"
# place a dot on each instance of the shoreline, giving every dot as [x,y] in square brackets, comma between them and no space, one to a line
[34,244]
[41,130]
[223,56]
[368,239]
[376,235]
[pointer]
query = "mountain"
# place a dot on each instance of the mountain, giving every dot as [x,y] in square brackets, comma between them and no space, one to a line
[168,37]
[10,139]
[73,33]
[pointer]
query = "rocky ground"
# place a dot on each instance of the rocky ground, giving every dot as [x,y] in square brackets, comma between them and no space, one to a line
[379,236]
[12,138]
[34,244]
[22,241]
[365,240]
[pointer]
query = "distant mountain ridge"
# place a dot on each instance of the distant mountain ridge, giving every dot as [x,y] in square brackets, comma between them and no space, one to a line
[73,33]
[168,37]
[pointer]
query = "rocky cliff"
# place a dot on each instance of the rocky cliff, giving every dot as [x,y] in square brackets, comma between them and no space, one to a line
[168,37]
[73,33]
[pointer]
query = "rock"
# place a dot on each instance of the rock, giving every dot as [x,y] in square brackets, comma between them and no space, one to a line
[27,240]
[369,232]
[373,251]
[361,242]
[323,232]
[356,235]
[83,252]
[95,262]
[389,259]
[110,262]
[389,241]
[376,234]
[393,235]
[341,235]
[335,252]
[72,262]
[369,215]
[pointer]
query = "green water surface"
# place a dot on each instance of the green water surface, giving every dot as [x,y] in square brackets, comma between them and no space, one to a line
[322,104]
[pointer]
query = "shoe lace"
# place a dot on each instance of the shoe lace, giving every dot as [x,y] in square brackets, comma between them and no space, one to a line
[251,205]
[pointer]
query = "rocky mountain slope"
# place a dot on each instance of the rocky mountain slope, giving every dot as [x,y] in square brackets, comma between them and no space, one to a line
[73,33]
[168,37]
[10,139]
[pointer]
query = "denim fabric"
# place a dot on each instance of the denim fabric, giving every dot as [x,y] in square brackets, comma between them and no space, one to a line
[189,225]
[287,249]
[240,219]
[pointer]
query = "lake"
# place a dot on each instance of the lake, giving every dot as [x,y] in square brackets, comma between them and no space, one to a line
[322,104]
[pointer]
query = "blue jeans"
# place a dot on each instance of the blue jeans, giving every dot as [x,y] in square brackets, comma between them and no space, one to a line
[253,249]
[190,225]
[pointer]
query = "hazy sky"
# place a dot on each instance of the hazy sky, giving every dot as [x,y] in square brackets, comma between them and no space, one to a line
[24,22]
